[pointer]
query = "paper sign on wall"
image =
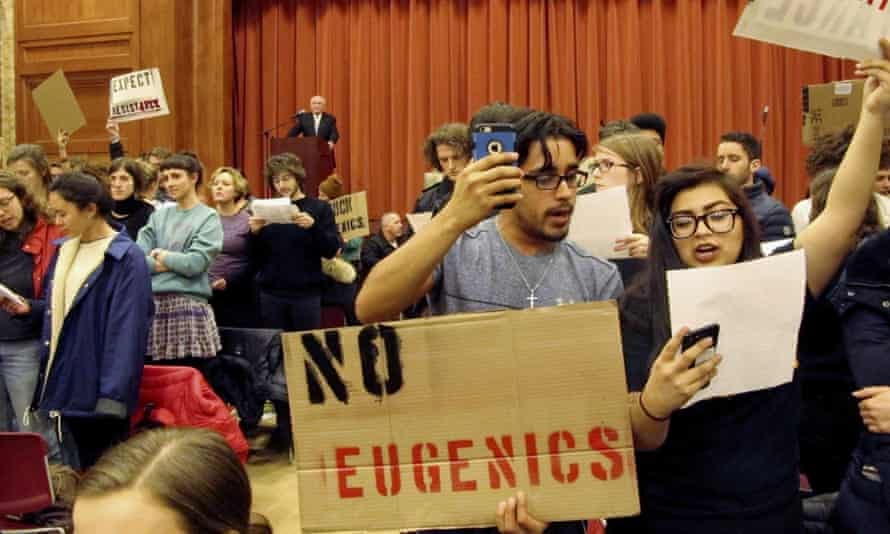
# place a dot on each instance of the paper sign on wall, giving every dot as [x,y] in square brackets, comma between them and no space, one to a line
[837,28]
[351,215]
[137,95]
[431,422]
[56,103]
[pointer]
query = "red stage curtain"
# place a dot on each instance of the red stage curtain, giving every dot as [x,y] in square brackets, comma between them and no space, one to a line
[393,70]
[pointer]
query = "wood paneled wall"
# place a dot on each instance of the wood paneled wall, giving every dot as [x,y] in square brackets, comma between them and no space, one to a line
[93,40]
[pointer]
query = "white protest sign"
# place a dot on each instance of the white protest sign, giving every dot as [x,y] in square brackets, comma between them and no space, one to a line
[838,28]
[351,215]
[137,95]
[758,305]
[419,220]
[599,219]
[274,210]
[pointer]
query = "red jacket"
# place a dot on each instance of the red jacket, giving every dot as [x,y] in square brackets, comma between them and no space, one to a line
[182,398]
[40,244]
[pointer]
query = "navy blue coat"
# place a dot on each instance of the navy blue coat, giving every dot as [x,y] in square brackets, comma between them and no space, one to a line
[97,366]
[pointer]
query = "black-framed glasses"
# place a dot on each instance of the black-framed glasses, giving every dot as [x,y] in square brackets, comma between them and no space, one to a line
[684,225]
[605,165]
[548,182]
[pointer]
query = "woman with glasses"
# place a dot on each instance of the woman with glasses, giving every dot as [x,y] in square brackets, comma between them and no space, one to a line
[288,261]
[633,161]
[27,246]
[728,464]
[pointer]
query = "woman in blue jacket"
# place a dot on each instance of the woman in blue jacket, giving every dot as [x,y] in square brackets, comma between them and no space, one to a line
[99,309]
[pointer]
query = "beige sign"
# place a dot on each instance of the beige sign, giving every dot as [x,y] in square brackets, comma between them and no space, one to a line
[351,214]
[431,422]
[57,105]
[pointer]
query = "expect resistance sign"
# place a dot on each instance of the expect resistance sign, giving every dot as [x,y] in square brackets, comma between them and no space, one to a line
[431,422]
[137,95]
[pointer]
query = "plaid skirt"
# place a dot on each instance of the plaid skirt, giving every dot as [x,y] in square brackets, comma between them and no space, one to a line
[183,328]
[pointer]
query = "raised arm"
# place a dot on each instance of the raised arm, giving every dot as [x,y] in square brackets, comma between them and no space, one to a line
[407,274]
[829,238]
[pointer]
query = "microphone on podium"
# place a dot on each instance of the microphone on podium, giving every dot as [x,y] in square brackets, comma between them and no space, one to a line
[298,113]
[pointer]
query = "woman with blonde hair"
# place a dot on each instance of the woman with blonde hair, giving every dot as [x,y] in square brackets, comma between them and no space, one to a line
[233,299]
[635,162]
[171,480]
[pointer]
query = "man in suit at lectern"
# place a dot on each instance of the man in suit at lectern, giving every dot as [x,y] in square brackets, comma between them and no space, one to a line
[316,123]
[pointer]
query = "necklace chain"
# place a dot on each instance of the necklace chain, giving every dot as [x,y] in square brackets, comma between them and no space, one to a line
[531,290]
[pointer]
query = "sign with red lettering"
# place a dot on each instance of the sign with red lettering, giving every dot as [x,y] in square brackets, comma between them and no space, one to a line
[431,422]
[137,95]
[838,28]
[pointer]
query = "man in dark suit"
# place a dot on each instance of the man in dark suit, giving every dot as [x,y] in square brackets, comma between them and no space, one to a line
[316,123]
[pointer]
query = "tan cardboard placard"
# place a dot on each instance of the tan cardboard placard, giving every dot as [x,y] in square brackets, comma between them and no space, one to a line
[351,215]
[431,422]
[57,105]
[831,107]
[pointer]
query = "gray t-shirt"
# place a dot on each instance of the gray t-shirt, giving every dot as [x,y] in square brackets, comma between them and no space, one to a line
[478,274]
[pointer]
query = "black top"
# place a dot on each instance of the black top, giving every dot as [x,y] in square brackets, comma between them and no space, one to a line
[133,214]
[434,198]
[305,124]
[374,249]
[288,257]
[16,267]
[731,458]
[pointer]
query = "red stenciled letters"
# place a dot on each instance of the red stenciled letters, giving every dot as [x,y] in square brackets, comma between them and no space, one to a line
[500,461]
[344,472]
[556,463]
[457,464]
[597,443]
[394,471]
[434,471]
[531,455]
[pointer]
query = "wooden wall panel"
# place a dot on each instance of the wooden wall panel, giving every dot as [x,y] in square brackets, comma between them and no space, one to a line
[190,41]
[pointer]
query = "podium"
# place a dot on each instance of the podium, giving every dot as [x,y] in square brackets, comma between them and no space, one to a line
[314,152]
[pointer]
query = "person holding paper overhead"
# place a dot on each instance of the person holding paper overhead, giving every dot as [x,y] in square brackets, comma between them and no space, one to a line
[288,260]
[728,464]
[27,246]
[633,161]
[180,243]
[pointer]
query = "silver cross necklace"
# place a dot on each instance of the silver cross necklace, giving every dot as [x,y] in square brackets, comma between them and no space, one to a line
[531,290]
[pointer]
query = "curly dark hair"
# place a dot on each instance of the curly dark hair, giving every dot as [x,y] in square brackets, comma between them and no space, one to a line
[454,134]
[286,162]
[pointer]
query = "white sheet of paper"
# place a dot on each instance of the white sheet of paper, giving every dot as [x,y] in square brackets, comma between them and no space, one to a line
[7,293]
[758,305]
[419,220]
[768,247]
[599,219]
[838,28]
[274,210]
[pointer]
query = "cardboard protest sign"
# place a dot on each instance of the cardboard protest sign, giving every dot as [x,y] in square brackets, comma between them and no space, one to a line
[431,422]
[56,103]
[351,214]
[832,107]
[837,28]
[137,95]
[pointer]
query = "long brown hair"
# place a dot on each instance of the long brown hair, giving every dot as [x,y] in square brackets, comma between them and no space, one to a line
[31,211]
[642,154]
[191,471]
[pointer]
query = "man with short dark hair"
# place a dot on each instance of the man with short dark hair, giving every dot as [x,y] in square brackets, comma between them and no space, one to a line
[652,125]
[738,155]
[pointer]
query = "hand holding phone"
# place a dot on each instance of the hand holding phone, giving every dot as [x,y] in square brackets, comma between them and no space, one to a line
[711,331]
[494,138]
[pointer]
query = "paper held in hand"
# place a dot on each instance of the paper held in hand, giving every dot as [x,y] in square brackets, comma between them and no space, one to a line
[432,422]
[274,210]
[7,293]
[838,28]
[137,95]
[419,220]
[599,220]
[758,305]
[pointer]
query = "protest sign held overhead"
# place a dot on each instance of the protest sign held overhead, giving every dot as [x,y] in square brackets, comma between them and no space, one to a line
[56,103]
[137,95]
[431,422]
[837,28]
[351,215]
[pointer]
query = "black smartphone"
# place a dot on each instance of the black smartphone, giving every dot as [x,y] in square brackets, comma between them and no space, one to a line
[710,331]
[494,138]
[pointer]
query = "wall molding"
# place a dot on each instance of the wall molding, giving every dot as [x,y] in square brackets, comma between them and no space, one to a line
[7,78]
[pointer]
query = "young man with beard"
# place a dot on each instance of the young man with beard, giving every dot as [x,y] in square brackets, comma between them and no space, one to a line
[738,155]
[518,259]
[448,150]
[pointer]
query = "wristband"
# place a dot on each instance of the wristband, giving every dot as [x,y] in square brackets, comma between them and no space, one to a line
[649,414]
